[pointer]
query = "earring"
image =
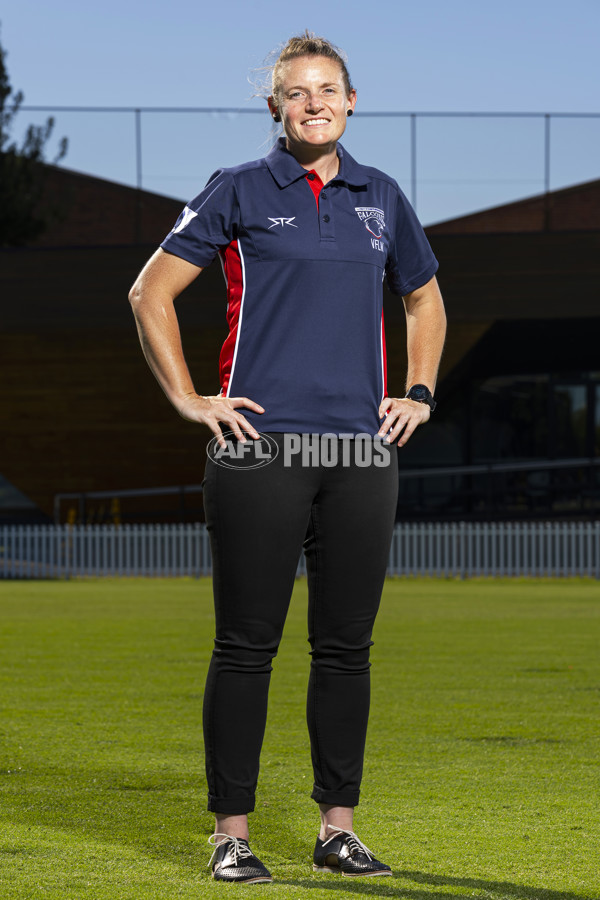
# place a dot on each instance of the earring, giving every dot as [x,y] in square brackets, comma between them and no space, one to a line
[276,117]
[350,112]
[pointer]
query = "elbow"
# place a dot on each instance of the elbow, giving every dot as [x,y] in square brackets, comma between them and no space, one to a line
[442,323]
[440,308]
[135,294]
[139,296]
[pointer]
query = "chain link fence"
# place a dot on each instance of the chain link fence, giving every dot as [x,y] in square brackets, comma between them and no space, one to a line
[449,164]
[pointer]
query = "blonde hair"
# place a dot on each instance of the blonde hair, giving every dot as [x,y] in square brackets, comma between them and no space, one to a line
[307,44]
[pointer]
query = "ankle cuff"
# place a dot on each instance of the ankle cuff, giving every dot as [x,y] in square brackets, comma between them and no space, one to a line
[231,806]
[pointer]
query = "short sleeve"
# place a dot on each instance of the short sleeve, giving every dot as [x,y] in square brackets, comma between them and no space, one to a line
[411,262]
[207,224]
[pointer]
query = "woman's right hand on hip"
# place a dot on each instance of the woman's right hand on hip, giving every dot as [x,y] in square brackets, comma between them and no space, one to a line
[214,410]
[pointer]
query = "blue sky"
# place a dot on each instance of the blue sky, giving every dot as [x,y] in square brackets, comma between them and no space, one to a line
[433,55]
[427,55]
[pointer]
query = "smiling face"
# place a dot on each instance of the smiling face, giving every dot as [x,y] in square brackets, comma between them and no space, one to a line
[312,103]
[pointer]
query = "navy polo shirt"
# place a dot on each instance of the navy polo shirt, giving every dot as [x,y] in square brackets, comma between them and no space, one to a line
[305,285]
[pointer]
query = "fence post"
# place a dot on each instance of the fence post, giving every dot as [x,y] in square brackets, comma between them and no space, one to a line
[413,160]
[547,207]
[138,177]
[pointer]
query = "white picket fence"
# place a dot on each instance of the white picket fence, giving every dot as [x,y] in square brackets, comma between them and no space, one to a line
[455,549]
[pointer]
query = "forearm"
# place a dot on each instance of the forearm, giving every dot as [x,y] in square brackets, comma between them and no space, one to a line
[426,332]
[152,299]
[159,334]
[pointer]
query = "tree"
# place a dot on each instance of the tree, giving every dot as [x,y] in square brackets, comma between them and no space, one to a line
[22,213]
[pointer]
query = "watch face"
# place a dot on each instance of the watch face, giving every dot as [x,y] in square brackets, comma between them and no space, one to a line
[418,393]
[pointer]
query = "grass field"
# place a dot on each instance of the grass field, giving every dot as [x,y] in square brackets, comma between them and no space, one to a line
[482,777]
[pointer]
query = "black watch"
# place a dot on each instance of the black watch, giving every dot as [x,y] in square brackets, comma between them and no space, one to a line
[422,394]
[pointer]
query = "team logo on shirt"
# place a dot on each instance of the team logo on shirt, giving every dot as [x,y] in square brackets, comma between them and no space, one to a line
[374,221]
[282,221]
[184,220]
[373,218]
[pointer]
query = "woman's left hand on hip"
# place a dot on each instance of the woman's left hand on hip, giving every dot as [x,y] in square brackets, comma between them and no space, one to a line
[402,416]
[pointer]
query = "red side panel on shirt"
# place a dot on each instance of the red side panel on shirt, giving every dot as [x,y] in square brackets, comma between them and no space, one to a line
[234,277]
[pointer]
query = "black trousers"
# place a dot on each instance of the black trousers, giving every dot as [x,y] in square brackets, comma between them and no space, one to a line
[259,519]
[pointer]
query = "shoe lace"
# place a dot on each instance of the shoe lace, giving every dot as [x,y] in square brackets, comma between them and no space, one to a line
[355,844]
[240,850]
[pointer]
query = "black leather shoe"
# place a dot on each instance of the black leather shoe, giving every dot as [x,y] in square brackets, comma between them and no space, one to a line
[344,853]
[233,860]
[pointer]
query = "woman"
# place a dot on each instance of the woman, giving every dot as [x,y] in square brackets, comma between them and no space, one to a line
[305,236]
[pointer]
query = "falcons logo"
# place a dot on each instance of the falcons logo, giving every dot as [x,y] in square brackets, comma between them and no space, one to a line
[374,219]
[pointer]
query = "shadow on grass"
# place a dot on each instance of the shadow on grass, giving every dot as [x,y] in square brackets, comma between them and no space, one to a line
[502,888]
[128,808]
[389,887]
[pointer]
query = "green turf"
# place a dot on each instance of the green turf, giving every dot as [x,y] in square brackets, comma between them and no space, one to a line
[483,760]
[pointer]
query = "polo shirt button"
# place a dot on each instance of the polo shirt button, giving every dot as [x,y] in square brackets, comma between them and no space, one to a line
[326,218]
[311,176]
[323,195]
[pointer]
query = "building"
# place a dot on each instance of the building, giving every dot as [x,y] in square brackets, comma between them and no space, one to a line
[519,384]
[519,397]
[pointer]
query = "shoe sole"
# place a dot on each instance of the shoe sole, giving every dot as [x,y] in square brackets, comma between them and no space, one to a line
[329,870]
[261,878]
